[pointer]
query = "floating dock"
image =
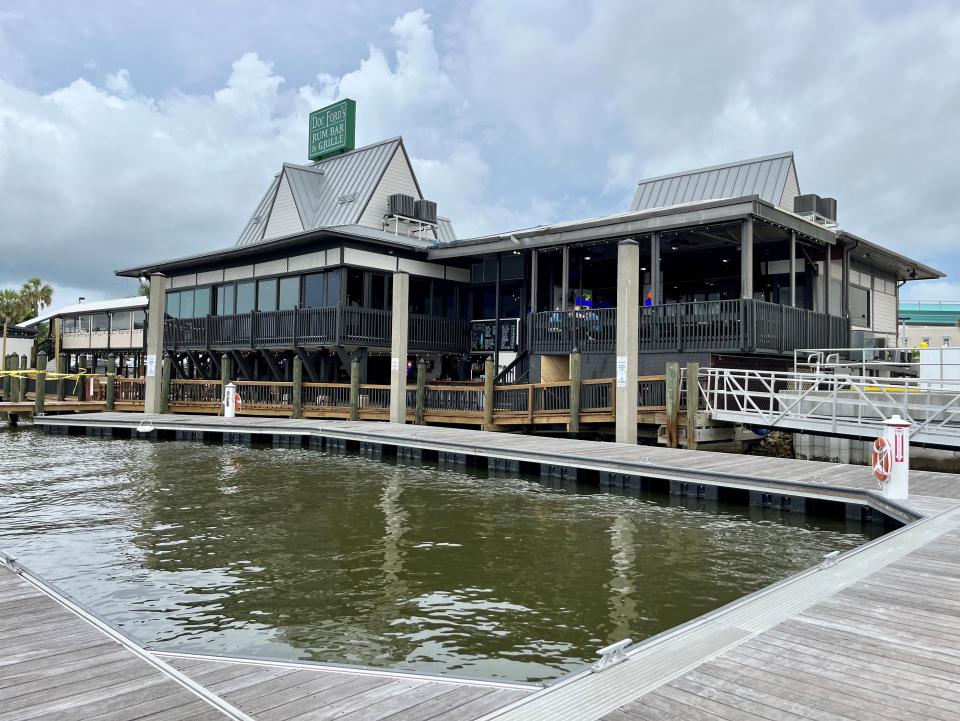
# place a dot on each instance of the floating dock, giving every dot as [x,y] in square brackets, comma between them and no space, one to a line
[869,634]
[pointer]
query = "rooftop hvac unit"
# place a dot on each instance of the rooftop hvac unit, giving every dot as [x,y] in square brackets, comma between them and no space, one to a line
[401,204]
[809,203]
[827,207]
[426,210]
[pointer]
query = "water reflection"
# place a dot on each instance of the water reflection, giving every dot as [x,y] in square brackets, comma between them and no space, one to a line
[297,554]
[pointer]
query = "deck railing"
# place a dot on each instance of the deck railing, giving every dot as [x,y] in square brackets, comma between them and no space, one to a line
[591,330]
[129,389]
[333,325]
[195,394]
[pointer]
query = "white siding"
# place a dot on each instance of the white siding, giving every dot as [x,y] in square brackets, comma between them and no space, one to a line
[211,276]
[884,313]
[271,267]
[284,218]
[183,281]
[308,261]
[791,189]
[417,267]
[366,259]
[238,273]
[397,178]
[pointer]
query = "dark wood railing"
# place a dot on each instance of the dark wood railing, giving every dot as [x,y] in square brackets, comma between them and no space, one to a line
[335,325]
[592,330]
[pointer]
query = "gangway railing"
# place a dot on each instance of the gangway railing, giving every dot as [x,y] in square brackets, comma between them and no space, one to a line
[838,403]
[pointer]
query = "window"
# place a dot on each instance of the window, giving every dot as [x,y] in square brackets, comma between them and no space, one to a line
[245,297]
[186,304]
[946,341]
[314,290]
[120,320]
[334,284]
[225,304]
[859,306]
[354,287]
[511,267]
[267,295]
[173,305]
[289,293]
[201,302]
[69,325]
[83,324]
[101,323]
[139,319]
[419,295]
[378,291]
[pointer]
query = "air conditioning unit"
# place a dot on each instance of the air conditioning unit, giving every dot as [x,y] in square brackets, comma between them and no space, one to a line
[426,210]
[827,207]
[401,204]
[804,204]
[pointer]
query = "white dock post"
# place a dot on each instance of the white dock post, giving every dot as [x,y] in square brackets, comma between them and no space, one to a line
[156,312]
[628,340]
[896,434]
[230,400]
[398,349]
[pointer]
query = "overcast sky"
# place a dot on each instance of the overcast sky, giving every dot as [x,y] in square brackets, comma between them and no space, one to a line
[141,130]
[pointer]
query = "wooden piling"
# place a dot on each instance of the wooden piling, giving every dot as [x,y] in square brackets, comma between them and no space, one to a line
[673,403]
[224,379]
[61,382]
[693,403]
[24,365]
[488,376]
[166,373]
[354,389]
[421,403]
[7,381]
[111,394]
[41,384]
[576,378]
[296,391]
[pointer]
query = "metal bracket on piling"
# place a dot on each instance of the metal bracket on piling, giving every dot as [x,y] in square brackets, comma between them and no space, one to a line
[612,654]
[829,559]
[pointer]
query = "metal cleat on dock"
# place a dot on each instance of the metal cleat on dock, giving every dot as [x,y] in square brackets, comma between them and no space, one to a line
[612,654]
[829,559]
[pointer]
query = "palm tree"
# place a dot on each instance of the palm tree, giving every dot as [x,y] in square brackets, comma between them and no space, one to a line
[36,295]
[12,310]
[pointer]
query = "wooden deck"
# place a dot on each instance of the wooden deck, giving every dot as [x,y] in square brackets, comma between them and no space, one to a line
[872,635]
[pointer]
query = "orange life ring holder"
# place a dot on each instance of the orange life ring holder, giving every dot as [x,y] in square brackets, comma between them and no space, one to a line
[237,402]
[882,459]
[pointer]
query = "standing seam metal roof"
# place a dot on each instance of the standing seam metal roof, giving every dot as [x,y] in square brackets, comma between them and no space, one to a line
[318,188]
[765,177]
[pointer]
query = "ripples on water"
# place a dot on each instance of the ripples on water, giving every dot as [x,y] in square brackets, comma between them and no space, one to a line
[303,555]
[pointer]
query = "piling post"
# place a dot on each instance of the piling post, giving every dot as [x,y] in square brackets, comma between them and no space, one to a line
[488,375]
[24,365]
[421,392]
[61,382]
[399,347]
[7,381]
[153,398]
[693,403]
[166,371]
[354,389]
[41,385]
[673,403]
[576,377]
[224,380]
[111,396]
[296,392]
[628,340]
[81,383]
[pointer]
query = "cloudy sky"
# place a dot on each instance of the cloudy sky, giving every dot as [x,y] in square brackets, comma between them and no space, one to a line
[142,130]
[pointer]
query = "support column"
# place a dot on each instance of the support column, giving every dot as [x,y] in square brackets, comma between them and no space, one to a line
[488,374]
[111,390]
[24,365]
[534,269]
[672,394]
[7,381]
[628,340]
[224,378]
[746,258]
[693,403]
[57,333]
[63,366]
[576,380]
[41,384]
[166,375]
[496,316]
[296,391]
[398,348]
[655,269]
[845,282]
[793,269]
[355,389]
[565,279]
[154,330]
[421,392]
[826,280]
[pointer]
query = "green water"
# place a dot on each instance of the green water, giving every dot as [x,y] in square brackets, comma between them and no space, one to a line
[304,555]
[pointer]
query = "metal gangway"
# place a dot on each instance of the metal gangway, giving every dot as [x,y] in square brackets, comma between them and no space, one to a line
[833,397]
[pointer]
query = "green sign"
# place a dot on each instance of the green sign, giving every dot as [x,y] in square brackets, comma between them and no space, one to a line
[332,129]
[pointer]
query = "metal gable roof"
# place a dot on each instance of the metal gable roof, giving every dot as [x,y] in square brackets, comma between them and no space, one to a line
[765,177]
[331,192]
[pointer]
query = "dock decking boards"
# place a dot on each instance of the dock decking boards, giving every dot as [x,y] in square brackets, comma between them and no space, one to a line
[874,636]
[54,665]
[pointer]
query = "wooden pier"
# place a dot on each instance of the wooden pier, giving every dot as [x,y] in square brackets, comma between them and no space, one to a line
[870,634]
